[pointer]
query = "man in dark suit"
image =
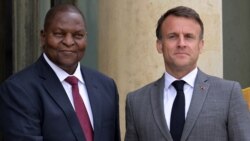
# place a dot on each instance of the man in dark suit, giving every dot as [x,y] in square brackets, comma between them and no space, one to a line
[185,104]
[39,103]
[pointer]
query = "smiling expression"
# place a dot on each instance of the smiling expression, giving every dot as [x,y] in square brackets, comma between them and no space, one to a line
[180,45]
[64,40]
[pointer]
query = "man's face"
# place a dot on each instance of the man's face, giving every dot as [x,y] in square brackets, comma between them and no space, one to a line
[64,40]
[180,44]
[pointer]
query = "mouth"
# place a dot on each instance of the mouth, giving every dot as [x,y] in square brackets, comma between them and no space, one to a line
[181,53]
[67,52]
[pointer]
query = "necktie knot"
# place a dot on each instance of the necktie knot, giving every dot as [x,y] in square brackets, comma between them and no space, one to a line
[72,80]
[178,85]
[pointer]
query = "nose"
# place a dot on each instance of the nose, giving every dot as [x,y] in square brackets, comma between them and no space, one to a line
[181,42]
[68,40]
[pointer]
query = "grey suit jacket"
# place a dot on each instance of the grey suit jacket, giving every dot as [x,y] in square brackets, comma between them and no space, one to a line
[217,112]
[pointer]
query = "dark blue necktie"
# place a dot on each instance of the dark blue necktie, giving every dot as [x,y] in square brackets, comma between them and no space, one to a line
[177,120]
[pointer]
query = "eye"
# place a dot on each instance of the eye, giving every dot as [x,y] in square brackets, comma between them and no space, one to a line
[171,36]
[80,35]
[189,36]
[58,34]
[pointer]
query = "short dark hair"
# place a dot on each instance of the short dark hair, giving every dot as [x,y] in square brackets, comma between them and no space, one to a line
[61,8]
[180,11]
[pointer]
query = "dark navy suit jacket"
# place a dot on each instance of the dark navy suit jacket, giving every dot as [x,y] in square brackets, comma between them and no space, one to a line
[34,106]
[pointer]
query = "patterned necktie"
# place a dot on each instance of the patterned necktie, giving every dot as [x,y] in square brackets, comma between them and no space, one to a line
[80,109]
[178,111]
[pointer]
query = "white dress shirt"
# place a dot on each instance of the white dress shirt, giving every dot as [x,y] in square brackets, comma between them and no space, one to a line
[170,93]
[62,75]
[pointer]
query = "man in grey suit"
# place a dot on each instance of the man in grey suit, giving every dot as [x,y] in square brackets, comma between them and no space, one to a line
[185,104]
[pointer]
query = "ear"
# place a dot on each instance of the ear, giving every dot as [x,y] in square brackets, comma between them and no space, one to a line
[159,46]
[201,45]
[42,37]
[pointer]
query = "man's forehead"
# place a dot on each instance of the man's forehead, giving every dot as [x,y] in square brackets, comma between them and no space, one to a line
[181,23]
[63,16]
[62,13]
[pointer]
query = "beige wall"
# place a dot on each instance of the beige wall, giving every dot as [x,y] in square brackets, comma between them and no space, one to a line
[127,49]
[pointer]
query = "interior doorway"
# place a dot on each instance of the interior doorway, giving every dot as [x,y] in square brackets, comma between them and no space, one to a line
[6,63]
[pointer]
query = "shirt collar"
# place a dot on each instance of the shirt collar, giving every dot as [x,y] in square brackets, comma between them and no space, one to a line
[61,74]
[189,78]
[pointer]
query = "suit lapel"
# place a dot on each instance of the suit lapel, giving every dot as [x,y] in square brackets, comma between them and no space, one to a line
[199,95]
[95,100]
[55,89]
[157,107]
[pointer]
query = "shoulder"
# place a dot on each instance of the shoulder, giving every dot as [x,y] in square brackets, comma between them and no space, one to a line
[222,82]
[94,74]
[220,86]
[144,91]
[31,73]
[104,83]
[215,81]
[27,74]
[98,79]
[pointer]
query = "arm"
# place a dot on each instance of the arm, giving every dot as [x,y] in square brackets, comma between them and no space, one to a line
[117,122]
[19,117]
[239,116]
[131,133]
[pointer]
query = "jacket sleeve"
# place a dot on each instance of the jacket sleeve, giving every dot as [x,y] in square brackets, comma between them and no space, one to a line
[239,116]
[19,118]
[131,133]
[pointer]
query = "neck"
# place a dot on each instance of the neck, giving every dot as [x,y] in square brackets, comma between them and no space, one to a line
[179,73]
